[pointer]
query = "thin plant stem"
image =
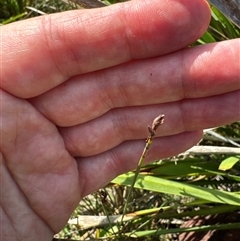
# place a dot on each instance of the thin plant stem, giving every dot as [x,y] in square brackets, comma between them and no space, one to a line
[152,133]
[103,201]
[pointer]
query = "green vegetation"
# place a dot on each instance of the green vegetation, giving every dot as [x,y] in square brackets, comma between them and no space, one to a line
[15,10]
[169,194]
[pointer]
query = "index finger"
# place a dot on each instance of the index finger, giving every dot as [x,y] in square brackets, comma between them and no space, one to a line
[41,53]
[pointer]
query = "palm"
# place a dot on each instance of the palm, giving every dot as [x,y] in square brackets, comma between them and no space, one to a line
[44,175]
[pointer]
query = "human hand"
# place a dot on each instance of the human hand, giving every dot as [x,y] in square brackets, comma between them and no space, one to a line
[79,89]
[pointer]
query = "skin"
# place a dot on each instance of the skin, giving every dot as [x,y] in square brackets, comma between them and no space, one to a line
[78,90]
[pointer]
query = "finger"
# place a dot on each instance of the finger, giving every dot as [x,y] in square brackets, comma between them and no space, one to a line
[52,48]
[123,124]
[126,156]
[192,73]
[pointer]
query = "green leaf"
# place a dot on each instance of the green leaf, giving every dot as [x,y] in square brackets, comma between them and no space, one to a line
[14,18]
[228,163]
[207,38]
[183,168]
[157,184]
[183,230]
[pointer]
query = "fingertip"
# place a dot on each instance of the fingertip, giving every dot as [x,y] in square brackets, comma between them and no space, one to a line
[173,25]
